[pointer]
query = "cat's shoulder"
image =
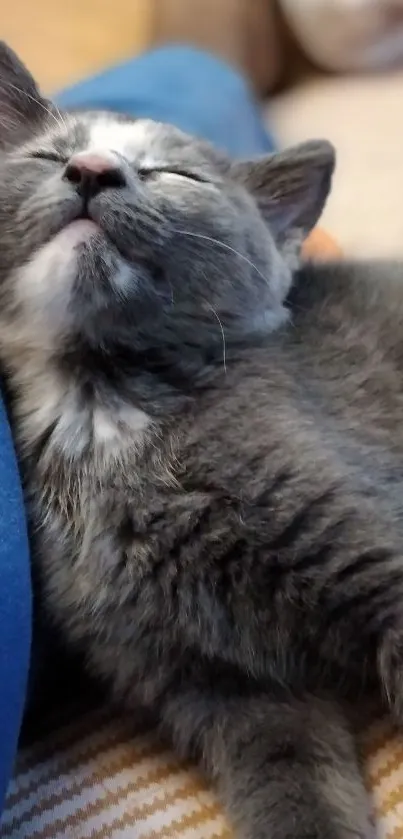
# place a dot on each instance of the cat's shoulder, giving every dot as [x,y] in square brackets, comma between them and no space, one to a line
[354,285]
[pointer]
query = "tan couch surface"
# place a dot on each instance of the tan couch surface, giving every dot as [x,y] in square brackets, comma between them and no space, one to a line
[364,118]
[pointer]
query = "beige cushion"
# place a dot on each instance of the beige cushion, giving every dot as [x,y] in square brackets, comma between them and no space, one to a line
[364,118]
[348,34]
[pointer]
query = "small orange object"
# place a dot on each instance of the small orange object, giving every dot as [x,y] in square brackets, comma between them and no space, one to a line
[321,246]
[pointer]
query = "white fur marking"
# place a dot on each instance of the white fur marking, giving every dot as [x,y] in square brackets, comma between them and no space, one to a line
[46,402]
[132,139]
[55,259]
[115,434]
[123,280]
[45,283]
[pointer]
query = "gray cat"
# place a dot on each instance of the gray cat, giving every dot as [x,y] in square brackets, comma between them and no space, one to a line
[211,438]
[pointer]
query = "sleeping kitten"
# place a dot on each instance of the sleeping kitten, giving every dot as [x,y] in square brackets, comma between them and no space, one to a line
[213,462]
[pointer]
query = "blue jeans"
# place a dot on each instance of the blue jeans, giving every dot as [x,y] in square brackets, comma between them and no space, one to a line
[15,603]
[203,96]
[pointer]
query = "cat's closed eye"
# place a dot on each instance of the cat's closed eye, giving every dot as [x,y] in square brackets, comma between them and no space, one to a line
[53,157]
[147,174]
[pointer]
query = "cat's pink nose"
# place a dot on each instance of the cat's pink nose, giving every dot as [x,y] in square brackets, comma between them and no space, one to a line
[93,172]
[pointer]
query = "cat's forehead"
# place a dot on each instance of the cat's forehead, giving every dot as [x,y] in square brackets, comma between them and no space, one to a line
[142,141]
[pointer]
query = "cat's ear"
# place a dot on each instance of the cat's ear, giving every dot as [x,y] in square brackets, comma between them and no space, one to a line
[22,107]
[290,188]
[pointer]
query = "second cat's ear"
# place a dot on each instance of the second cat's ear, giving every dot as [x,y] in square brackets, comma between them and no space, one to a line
[290,188]
[22,108]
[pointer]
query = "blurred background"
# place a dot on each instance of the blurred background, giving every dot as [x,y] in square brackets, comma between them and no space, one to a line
[331,68]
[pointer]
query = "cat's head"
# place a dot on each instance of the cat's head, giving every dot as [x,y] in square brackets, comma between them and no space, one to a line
[122,233]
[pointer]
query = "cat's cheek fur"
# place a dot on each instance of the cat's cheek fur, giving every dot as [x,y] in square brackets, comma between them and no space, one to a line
[44,284]
[52,288]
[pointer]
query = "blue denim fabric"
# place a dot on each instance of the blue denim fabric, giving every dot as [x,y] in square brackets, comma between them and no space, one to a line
[185,87]
[15,604]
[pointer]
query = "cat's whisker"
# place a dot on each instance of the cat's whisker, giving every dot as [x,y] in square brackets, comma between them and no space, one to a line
[224,346]
[172,293]
[61,117]
[33,99]
[226,246]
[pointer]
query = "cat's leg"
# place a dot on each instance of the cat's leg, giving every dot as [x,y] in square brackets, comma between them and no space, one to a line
[284,770]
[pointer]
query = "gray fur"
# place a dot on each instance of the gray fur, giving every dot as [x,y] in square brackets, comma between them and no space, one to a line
[215,487]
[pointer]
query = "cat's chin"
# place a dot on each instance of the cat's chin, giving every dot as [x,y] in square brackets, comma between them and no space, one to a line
[77,232]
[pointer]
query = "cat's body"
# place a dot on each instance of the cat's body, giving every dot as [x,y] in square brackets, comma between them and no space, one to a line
[269,506]
[215,487]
